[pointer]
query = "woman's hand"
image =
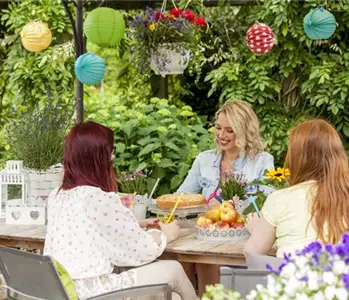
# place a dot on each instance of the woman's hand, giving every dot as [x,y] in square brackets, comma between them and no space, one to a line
[214,202]
[252,222]
[170,230]
[147,222]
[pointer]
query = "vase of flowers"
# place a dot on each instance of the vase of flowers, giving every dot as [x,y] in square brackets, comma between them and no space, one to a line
[165,40]
[274,179]
[233,188]
[133,188]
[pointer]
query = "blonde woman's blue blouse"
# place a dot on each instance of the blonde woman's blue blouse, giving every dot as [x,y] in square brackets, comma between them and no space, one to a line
[204,175]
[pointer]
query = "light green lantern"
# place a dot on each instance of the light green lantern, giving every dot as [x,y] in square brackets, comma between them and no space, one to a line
[104,27]
[319,24]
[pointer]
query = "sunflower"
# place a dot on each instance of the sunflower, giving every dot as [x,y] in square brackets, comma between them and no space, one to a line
[278,174]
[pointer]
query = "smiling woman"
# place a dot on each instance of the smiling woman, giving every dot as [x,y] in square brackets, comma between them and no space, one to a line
[239,151]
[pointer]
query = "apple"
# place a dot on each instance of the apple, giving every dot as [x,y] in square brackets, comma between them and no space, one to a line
[203,221]
[226,206]
[223,225]
[228,215]
[236,225]
[213,213]
[240,219]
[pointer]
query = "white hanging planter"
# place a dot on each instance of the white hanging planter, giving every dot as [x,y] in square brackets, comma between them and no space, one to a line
[171,58]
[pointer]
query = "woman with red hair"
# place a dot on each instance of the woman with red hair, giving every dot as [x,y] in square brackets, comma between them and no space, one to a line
[90,232]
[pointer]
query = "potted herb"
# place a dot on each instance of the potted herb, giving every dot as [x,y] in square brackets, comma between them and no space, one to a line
[37,139]
[165,40]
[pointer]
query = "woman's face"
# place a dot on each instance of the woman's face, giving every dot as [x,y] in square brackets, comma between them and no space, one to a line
[225,136]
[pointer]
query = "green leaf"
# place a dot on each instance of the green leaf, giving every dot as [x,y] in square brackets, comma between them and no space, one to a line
[149,148]
[127,128]
[141,166]
[172,146]
[165,163]
[120,147]
[175,181]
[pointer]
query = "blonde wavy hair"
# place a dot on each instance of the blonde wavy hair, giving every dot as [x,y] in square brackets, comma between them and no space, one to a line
[316,152]
[244,122]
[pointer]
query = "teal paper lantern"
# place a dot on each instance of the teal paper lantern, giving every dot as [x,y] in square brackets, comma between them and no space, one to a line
[104,27]
[89,68]
[319,24]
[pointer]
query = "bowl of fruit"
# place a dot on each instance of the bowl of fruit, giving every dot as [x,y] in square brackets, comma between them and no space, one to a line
[222,222]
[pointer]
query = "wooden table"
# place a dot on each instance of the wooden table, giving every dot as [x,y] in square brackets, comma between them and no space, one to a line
[185,249]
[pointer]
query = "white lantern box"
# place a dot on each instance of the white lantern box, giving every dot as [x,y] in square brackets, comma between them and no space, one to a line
[26,214]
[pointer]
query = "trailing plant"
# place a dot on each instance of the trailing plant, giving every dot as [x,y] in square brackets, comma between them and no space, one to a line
[37,137]
[179,29]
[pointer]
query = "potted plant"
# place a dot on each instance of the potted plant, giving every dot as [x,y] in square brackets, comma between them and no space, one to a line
[133,187]
[233,187]
[165,40]
[37,139]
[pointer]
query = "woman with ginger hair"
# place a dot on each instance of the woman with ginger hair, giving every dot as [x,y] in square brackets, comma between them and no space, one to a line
[239,150]
[316,204]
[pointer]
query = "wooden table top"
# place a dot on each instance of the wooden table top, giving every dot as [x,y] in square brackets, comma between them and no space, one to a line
[187,248]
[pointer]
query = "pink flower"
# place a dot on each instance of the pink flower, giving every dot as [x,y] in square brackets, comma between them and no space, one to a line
[189,15]
[201,22]
[159,16]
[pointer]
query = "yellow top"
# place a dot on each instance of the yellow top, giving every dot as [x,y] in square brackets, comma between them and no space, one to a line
[288,211]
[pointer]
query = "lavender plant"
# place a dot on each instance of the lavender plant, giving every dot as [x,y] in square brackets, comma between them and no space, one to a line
[37,137]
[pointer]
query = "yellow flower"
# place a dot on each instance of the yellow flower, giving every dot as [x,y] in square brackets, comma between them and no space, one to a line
[152,27]
[278,174]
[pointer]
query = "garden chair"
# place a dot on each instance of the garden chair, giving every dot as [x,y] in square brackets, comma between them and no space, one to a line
[31,276]
[242,280]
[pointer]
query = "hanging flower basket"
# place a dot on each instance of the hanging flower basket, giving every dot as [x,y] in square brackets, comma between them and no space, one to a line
[169,59]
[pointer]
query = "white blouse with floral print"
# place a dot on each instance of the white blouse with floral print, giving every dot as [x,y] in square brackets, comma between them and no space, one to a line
[89,232]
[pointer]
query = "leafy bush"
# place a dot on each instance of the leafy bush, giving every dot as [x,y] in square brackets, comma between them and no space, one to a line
[155,136]
[37,137]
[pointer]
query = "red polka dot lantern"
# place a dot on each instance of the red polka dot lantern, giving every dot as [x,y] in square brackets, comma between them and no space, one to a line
[260,38]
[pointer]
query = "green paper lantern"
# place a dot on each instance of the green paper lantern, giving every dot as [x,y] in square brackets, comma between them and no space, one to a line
[104,27]
[319,24]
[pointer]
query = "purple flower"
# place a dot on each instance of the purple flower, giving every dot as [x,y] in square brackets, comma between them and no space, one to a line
[345,278]
[345,238]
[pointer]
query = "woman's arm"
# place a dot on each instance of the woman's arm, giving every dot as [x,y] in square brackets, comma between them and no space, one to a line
[122,239]
[191,184]
[262,234]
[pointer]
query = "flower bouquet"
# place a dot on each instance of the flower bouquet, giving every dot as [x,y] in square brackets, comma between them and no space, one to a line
[164,40]
[274,179]
[317,272]
[133,187]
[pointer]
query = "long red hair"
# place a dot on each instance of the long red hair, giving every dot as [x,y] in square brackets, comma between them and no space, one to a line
[316,152]
[87,157]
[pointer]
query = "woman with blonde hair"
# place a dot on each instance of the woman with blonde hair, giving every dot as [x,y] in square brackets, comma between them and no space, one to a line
[316,204]
[239,150]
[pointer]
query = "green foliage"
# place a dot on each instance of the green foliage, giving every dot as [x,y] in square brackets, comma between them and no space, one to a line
[133,183]
[298,79]
[37,137]
[232,185]
[157,136]
[26,73]
[218,292]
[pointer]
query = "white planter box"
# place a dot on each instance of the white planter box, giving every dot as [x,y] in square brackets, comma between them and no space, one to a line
[25,214]
[41,184]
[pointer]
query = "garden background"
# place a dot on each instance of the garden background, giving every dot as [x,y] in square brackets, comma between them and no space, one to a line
[298,79]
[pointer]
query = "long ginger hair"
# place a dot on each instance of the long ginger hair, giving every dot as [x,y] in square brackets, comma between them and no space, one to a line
[316,152]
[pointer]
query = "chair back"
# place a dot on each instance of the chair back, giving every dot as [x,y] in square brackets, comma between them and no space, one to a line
[257,261]
[30,274]
[244,281]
